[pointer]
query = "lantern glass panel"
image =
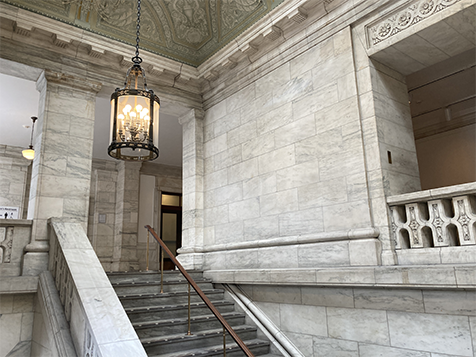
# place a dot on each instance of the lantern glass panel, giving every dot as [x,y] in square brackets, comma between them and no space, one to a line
[133,119]
[155,130]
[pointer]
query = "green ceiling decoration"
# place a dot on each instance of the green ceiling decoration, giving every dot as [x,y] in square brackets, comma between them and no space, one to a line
[188,31]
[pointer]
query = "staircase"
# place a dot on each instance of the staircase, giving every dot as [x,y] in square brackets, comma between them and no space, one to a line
[161,319]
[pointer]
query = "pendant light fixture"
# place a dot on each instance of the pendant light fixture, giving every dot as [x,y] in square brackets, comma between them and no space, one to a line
[30,153]
[134,114]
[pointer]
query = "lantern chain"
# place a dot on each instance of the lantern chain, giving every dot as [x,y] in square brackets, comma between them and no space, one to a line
[137,59]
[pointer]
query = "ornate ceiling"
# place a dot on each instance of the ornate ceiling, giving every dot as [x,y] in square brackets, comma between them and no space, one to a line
[189,31]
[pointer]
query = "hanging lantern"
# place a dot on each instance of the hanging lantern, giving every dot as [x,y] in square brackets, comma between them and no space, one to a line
[134,115]
[30,152]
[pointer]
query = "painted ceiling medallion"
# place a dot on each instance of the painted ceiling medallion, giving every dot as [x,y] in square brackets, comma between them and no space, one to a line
[188,31]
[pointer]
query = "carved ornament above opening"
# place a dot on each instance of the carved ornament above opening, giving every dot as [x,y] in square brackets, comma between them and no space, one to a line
[404,18]
[188,31]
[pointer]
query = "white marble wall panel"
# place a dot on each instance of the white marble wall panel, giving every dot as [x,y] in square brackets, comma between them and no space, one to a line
[295,148]
[331,297]
[368,350]
[301,222]
[390,299]
[278,257]
[304,319]
[14,177]
[62,169]
[261,228]
[366,322]
[16,324]
[429,332]
[323,254]
[324,346]
[358,325]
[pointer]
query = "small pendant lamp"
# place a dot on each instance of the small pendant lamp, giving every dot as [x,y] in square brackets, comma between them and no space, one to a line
[134,114]
[30,153]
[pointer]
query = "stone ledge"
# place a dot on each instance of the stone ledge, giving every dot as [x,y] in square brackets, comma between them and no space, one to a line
[433,194]
[18,284]
[413,277]
[15,222]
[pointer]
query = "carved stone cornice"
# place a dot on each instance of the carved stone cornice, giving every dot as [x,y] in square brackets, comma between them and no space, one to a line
[67,80]
[404,18]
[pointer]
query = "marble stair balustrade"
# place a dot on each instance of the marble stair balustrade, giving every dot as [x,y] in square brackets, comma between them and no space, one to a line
[435,226]
[160,319]
[97,321]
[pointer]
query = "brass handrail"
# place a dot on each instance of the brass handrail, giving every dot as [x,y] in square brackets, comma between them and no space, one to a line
[200,293]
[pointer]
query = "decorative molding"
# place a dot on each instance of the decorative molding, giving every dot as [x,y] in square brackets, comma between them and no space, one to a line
[95,52]
[22,28]
[298,15]
[212,75]
[61,42]
[249,49]
[424,223]
[404,18]
[6,244]
[272,33]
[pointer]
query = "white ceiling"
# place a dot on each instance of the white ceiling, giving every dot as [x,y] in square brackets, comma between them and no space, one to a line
[19,102]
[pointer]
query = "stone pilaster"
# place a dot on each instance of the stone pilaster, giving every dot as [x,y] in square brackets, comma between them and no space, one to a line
[61,172]
[127,214]
[190,254]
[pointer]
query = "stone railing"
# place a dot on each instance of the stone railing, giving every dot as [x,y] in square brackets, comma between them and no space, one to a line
[14,237]
[442,217]
[98,323]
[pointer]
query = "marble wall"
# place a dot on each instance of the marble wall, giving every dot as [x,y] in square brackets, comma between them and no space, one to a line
[284,157]
[369,322]
[16,324]
[14,175]
[113,226]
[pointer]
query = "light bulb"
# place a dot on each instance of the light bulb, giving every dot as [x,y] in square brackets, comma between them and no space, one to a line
[127,108]
[28,154]
[121,116]
[138,108]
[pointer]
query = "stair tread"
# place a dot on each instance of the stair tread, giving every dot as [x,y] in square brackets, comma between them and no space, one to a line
[199,304]
[153,283]
[214,349]
[140,272]
[166,294]
[168,321]
[197,335]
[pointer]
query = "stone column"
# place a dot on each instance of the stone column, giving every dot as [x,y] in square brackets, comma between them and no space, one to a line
[190,255]
[127,214]
[61,172]
[390,153]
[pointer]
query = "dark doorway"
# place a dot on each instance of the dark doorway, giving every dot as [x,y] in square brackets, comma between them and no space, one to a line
[171,224]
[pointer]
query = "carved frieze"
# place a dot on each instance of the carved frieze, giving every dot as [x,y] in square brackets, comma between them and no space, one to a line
[189,31]
[404,18]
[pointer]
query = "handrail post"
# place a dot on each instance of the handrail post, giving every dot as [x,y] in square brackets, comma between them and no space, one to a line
[147,253]
[224,342]
[161,270]
[200,293]
[189,312]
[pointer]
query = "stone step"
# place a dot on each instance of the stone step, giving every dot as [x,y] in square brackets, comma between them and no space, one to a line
[198,340]
[159,312]
[154,287]
[175,326]
[257,347]
[151,275]
[168,298]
